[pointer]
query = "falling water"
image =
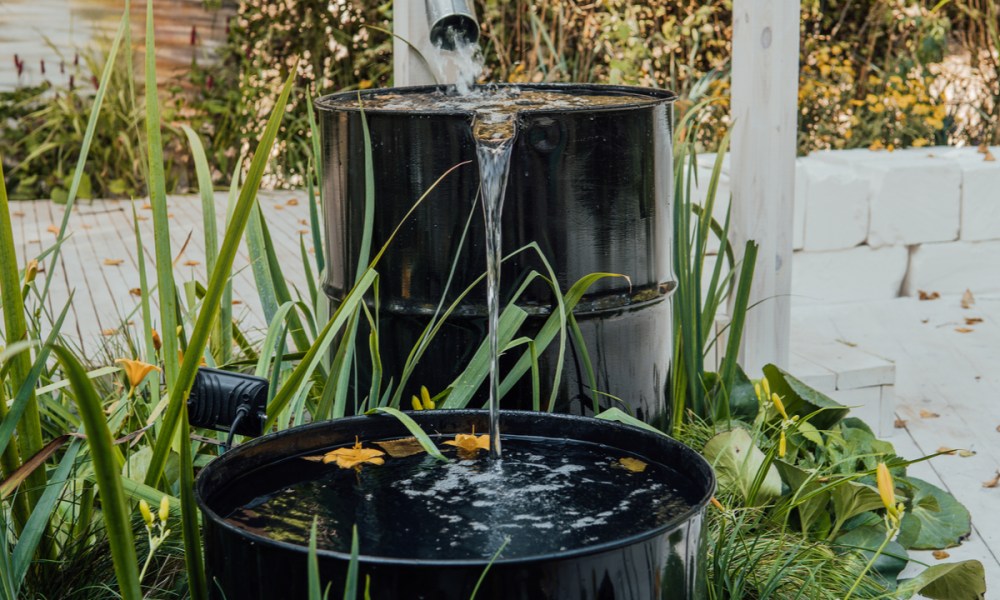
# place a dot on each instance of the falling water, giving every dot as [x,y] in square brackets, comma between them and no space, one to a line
[494,140]
[463,65]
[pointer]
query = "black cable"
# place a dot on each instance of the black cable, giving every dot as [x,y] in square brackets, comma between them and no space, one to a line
[241,411]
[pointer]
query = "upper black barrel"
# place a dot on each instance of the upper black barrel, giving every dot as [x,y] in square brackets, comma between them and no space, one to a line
[589,190]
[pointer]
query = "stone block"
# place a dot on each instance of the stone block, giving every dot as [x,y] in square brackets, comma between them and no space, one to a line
[954,267]
[980,193]
[915,196]
[835,205]
[857,274]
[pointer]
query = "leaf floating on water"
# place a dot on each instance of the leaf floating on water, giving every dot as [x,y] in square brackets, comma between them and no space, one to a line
[402,447]
[354,457]
[632,464]
[922,295]
[926,414]
[992,483]
[968,299]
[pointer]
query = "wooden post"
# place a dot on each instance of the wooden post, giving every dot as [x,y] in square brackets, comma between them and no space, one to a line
[410,23]
[765,109]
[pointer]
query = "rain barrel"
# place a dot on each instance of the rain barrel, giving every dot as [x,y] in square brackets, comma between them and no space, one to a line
[591,188]
[666,562]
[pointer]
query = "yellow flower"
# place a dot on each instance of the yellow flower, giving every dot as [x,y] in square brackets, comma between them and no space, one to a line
[30,271]
[779,405]
[136,371]
[782,444]
[354,457]
[871,98]
[424,402]
[934,122]
[164,509]
[147,515]
[470,443]
[887,491]
[878,108]
[364,84]
[157,342]
[921,110]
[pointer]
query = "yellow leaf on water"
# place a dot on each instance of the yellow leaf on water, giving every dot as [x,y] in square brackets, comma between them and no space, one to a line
[402,447]
[632,464]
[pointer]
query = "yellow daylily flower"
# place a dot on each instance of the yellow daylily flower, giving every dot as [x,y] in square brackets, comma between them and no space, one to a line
[354,457]
[887,491]
[470,443]
[136,371]
[164,509]
[147,515]
[157,342]
[424,402]
[30,271]
[779,406]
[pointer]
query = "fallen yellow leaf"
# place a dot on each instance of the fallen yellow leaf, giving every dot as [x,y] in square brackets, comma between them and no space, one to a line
[136,292]
[964,329]
[292,202]
[899,424]
[966,453]
[632,464]
[113,262]
[992,483]
[940,554]
[52,229]
[926,414]
[109,332]
[988,157]
[922,295]
[402,447]
[972,320]
[192,263]
[968,299]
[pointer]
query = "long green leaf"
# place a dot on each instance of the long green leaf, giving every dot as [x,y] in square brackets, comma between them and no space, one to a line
[115,513]
[425,441]
[158,200]
[181,387]
[351,585]
[27,543]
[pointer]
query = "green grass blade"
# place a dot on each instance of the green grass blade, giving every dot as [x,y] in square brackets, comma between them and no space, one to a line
[158,200]
[351,585]
[205,189]
[425,441]
[181,387]
[29,425]
[147,312]
[26,391]
[88,138]
[727,371]
[315,587]
[115,513]
[259,266]
[315,228]
[33,531]
[369,218]
[193,559]
[619,416]
[482,576]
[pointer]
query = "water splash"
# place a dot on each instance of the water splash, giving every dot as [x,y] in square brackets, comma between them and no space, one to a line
[463,65]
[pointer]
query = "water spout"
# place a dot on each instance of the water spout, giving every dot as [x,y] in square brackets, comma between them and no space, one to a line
[451,21]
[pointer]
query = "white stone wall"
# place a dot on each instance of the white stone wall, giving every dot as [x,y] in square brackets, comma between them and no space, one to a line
[876,225]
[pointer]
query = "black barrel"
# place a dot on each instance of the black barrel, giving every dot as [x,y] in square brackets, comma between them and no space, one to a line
[665,563]
[590,186]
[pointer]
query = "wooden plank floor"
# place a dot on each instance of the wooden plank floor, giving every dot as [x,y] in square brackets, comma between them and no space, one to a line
[939,370]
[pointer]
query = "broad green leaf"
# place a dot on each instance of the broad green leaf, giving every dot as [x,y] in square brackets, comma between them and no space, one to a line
[851,498]
[802,400]
[737,461]
[934,520]
[619,416]
[803,482]
[868,538]
[964,580]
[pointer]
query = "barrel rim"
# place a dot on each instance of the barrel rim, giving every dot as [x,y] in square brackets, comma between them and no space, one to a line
[697,464]
[328,103]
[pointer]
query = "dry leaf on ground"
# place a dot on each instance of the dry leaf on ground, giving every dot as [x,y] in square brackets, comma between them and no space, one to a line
[966,453]
[136,291]
[973,320]
[964,329]
[192,263]
[926,414]
[899,423]
[988,157]
[147,206]
[983,148]
[940,554]
[968,299]
[52,229]
[279,207]
[237,302]
[992,483]
[17,213]
[109,331]
[303,222]
[113,262]
[922,295]
[292,202]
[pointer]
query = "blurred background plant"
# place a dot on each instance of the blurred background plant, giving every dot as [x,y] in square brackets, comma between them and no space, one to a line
[873,74]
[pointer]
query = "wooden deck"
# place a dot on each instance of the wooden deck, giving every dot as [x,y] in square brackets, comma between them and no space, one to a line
[940,368]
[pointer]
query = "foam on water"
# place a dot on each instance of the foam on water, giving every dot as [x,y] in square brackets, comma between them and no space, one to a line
[545,495]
